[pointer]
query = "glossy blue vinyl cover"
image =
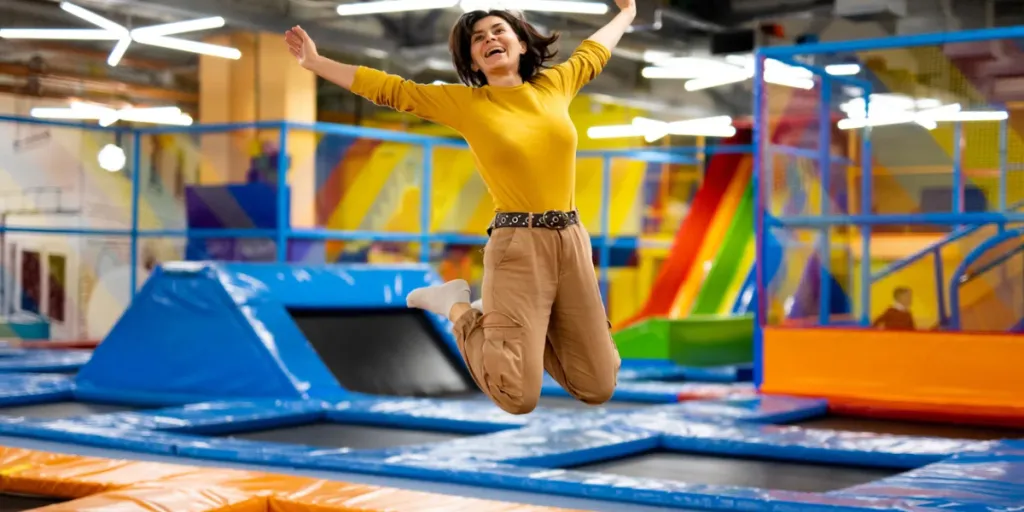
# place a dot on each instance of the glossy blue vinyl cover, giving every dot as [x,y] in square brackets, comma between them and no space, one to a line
[201,331]
[42,361]
[24,389]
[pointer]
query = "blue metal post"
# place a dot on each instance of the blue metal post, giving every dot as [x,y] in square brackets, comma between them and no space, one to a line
[866,200]
[825,170]
[426,195]
[760,228]
[283,203]
[136,188]
[958,168]
[1004,165]
[606,225]
[940,285]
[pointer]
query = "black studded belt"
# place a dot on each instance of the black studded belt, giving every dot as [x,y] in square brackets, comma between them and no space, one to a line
[551,219]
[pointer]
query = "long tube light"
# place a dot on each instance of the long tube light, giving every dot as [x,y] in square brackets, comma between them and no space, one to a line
[652,130]
[107,116]
[392,6]
[155,35]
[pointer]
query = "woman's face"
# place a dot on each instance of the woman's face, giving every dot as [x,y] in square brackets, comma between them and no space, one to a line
[495,46]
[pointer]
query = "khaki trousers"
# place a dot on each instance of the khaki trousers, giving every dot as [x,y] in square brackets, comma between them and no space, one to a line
[542,311]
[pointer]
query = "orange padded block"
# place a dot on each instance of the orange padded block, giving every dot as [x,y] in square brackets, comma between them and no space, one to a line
[329,496]
[76,478]
[160,499]
[13,460]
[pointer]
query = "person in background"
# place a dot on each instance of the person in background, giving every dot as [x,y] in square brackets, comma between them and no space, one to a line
[898,316]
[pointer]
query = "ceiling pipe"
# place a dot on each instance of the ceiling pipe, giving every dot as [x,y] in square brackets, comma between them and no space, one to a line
[65,80]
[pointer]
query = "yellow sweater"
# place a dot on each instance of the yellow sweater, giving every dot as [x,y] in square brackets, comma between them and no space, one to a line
[522,137]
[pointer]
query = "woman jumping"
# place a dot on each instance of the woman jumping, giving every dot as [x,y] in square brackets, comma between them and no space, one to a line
[542,307]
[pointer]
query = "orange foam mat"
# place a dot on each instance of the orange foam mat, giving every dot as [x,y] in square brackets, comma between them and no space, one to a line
[136,486]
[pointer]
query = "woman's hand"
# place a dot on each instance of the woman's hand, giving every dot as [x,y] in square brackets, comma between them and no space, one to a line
[627,6]
[302,46]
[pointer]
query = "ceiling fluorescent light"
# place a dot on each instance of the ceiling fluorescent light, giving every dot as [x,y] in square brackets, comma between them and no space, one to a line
[62,34]
[107,116]
[562,6]
[842,69]
[652,130]
[699,84]
[156,35]
[386,6]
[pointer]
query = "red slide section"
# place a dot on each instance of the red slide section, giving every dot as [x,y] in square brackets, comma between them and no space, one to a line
[691,233]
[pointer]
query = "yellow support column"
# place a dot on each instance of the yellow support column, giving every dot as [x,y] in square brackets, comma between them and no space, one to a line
[266,84]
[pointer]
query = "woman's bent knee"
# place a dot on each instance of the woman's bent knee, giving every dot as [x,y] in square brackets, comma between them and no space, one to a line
[597,392]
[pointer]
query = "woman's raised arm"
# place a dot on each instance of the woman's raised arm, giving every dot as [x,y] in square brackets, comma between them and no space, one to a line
[437,103]
[610,34]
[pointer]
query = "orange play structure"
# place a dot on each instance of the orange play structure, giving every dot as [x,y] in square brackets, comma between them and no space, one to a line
[938,376]
[97,484]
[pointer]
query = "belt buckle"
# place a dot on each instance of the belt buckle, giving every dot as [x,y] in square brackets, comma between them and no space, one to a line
[554,219]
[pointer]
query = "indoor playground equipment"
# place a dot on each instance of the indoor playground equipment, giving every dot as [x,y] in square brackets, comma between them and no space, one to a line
[322,367]
[699,312]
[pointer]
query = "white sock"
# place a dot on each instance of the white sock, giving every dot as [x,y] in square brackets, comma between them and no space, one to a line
[478,305]
[439,299]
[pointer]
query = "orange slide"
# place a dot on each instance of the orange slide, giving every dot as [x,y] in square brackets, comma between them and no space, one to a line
[693,232]
[97,484]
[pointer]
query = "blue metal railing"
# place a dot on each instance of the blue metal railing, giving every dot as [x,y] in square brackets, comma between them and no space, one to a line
[605,242]
[960,273]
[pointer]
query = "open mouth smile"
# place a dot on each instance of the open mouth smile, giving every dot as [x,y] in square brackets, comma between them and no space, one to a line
[493,51]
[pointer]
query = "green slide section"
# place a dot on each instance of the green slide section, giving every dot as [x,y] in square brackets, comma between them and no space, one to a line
[728,260]
[694,341]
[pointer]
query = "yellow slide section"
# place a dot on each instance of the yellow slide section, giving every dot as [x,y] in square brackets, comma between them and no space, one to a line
[367,185]
[736,286]
[712,240]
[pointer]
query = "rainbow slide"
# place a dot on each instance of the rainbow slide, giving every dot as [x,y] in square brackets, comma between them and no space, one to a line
[689,317]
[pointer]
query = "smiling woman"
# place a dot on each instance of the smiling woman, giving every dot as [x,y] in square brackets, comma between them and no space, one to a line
[541,308]
[503,48]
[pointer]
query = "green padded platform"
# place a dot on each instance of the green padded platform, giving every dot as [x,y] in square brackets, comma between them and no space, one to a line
[696,341]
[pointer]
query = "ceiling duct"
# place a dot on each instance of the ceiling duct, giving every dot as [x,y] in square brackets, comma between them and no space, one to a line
[870,10]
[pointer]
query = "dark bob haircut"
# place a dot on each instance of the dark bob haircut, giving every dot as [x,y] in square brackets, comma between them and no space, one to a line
[538,46]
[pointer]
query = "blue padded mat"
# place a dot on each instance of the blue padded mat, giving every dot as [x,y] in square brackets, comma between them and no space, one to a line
[668,371]
[994,477]
[215,417]
[464,416]
[25,389]
[652,392]
[41,361]
[757,409]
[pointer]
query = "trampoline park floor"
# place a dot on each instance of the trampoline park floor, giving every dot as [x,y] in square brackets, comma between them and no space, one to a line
[451,489]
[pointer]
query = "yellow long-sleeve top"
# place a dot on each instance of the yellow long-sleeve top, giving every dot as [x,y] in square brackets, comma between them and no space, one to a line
[522,137]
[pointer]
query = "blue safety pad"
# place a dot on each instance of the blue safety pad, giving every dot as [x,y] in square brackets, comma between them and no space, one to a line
[647,392]
[196,315]
[24,389]
[462,416]
[43,361]
[214,418]
[77,432]
[756,409]
[994,477]
[551,445]
[796,443]
[6,351]
[640,370]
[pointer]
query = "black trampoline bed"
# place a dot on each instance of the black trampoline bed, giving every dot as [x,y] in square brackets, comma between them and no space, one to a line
[397,353]
[60,410]
[327,434]
[909,428]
